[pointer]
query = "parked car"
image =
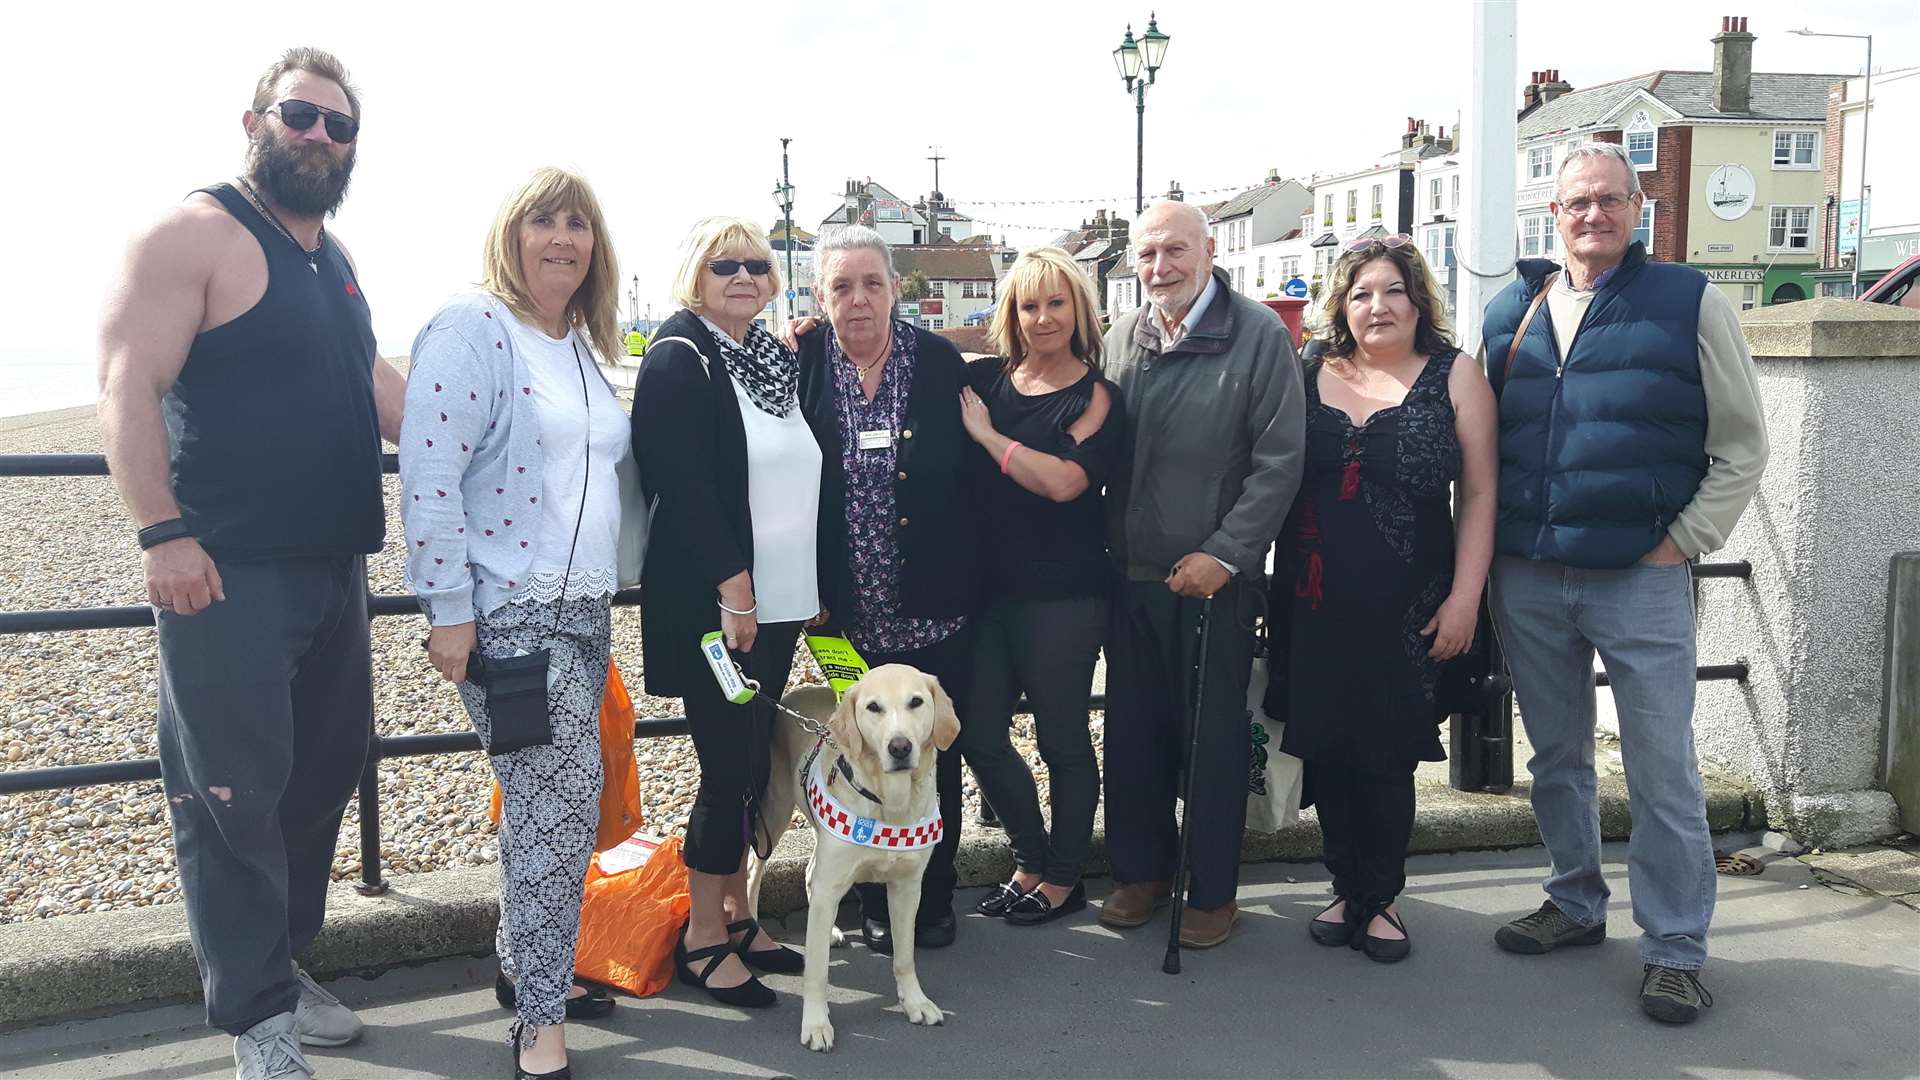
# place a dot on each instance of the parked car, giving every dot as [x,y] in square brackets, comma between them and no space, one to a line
[1900,286]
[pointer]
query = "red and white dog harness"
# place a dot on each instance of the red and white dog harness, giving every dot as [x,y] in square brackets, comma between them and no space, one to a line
[845,825]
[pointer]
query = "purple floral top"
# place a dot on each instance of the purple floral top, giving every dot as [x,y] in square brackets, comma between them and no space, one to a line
[873,550]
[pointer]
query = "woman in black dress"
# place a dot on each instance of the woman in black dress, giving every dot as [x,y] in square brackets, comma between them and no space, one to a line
[1047,425]
[1372,594]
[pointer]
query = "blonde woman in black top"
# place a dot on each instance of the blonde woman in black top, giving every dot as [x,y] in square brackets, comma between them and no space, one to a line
[1047,425]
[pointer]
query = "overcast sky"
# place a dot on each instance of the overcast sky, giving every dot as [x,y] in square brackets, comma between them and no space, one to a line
[675,111]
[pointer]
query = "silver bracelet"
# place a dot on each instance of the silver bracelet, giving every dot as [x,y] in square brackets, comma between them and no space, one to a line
[730,611]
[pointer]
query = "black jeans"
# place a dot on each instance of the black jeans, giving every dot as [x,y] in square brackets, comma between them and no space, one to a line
[1366,819]
[734,745]
[1048,649]
[1150,654]
[266,708]
[949,661]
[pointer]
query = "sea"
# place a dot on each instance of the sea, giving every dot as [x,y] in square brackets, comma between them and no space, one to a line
[32,382]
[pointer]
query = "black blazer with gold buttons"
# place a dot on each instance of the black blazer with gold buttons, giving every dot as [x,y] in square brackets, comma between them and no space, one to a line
[933,494]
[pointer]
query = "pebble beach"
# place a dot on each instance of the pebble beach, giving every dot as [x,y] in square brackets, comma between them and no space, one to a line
[88,696]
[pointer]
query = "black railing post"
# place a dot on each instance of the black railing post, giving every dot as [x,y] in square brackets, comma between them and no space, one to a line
[371,882]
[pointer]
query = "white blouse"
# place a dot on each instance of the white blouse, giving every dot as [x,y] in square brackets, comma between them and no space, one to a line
[783,493]
[583,436]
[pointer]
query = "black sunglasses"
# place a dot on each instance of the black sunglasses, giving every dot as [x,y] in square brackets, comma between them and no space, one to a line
[730,267]
[300,115]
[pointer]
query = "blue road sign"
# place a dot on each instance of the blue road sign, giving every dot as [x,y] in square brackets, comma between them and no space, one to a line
[1295,287]
[791,294]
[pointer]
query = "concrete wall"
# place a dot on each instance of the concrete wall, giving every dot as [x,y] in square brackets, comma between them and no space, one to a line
[1841,496]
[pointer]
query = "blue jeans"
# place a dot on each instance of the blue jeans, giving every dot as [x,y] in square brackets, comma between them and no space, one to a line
[1551,620]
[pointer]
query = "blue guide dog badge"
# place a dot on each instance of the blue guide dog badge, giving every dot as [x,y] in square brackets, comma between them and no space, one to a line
[862,830]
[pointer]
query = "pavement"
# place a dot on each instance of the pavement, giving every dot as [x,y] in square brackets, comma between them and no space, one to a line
[1809,980]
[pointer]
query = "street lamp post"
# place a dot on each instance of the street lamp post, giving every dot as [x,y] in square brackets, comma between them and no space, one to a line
[1866,114]
[783,198]
[1139,64]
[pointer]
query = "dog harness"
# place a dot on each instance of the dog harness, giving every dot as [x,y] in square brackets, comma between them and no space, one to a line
[846,825]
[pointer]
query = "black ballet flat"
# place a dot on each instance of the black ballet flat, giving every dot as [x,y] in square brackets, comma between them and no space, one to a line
[1384,950]
[564,1072]
[780,961]
[1003,896]
[1034,908]
[592,1005]
[752,994]
[1331,933]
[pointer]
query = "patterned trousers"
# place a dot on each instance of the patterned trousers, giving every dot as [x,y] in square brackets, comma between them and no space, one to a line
[551,795]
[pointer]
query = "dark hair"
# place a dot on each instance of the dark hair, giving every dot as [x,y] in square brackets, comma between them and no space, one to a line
[1434,333]
[313,61]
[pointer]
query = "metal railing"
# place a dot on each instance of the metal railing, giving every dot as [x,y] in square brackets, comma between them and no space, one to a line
[1481,757]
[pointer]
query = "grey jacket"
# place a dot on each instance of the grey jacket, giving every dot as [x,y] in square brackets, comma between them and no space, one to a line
[1217,428]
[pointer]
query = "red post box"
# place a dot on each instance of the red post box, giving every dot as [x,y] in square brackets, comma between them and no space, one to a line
[1292,310]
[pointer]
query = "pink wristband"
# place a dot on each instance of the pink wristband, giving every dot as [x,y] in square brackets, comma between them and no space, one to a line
[1007,458]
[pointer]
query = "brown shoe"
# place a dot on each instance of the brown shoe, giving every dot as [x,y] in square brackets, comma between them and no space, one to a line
[1133,903]
[1201,929]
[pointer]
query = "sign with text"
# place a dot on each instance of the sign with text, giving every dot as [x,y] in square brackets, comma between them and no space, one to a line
[1853,219]
[1749,275]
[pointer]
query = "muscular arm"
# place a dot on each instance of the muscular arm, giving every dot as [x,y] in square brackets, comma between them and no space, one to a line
[1476,423]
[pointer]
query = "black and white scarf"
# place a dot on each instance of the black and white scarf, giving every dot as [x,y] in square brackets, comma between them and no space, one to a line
[769,370]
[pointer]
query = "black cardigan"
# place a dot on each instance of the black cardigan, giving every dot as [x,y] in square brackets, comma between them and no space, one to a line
[692,452]
[933,489]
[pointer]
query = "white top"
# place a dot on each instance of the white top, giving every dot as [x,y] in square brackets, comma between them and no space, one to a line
[783,493]
[575,465]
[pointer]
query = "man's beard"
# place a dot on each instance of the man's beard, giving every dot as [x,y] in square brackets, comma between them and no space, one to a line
[304,178]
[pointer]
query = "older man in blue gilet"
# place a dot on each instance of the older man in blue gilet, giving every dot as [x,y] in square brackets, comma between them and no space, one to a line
[1631,440]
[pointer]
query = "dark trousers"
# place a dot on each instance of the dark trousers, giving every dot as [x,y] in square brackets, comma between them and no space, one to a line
[1150,654]
[1366,819]
[950,661]
[1046,648]
[734,745]
[266,708]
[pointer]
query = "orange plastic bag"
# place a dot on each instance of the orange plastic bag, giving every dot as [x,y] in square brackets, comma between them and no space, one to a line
[631,917]
[620,790]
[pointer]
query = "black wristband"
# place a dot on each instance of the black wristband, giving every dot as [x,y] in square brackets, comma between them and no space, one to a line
[162,531]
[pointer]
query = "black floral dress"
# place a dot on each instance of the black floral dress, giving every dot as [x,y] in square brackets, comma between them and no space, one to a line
[1363,563]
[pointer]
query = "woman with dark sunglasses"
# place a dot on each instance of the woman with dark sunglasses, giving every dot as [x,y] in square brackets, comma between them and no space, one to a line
[732,473]
[1375,586]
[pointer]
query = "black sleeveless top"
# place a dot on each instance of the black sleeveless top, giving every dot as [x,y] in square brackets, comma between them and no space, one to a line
[274,437]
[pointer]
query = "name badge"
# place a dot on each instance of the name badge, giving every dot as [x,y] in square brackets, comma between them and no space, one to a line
[875,440]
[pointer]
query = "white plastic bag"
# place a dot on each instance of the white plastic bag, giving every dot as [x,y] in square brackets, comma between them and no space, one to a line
[1274,779]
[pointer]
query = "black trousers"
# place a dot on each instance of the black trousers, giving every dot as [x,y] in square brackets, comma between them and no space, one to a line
[1046,648]
[1150,654]
[734,745]
[1366,819]
[266,709]
[950,661]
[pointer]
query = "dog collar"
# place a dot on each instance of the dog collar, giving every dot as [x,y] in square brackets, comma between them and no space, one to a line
[845,825]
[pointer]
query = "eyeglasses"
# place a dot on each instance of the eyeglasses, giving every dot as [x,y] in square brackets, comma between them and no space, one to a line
[1393,242]
[730,267]
[300,115]
[1612,204]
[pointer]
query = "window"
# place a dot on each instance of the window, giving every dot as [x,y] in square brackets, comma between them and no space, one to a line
[1289,269]
[1790,228]
[937,290]
[1377,190]
[1529,234]
[946,231]
[1640,149]
[1432,250]
[937,322]
[976,290]
[806,290]
[1433,194]
[1643,232]
[1260,272]
[1749,297]
[1353,206]
[1456,191]
[1239,278]
[1540,163]
[1329,214]
[1795,149]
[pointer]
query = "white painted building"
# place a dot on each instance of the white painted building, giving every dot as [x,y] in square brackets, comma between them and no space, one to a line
[1246,227]
[898,221]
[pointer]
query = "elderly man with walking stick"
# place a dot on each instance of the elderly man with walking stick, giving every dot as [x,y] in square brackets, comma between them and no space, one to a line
[1216,427]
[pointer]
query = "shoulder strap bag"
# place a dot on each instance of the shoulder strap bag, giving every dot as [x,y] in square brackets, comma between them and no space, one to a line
[1513,347]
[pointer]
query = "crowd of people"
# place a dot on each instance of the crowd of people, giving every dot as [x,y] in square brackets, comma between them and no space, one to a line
[998,523]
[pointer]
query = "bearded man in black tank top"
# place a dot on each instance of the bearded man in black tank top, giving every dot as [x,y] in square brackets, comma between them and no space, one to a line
[242,403]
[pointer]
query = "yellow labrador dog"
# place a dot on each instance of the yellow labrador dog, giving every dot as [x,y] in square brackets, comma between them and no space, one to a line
[876,817]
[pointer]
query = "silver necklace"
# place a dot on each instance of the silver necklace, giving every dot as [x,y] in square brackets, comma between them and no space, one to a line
[313,257]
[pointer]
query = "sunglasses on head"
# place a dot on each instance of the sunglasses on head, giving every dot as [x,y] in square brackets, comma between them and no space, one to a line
[300,115]
[730,267]
[1393,243]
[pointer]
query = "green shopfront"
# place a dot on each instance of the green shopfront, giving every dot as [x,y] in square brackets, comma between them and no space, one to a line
[1750,286]
[1884,251]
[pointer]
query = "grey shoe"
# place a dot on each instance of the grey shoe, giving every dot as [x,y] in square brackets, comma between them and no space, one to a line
[1546,930]
[269,1050]
[1672,995]
[320,1019]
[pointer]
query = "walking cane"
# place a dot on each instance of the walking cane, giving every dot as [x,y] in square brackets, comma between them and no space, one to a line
[1171,965]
